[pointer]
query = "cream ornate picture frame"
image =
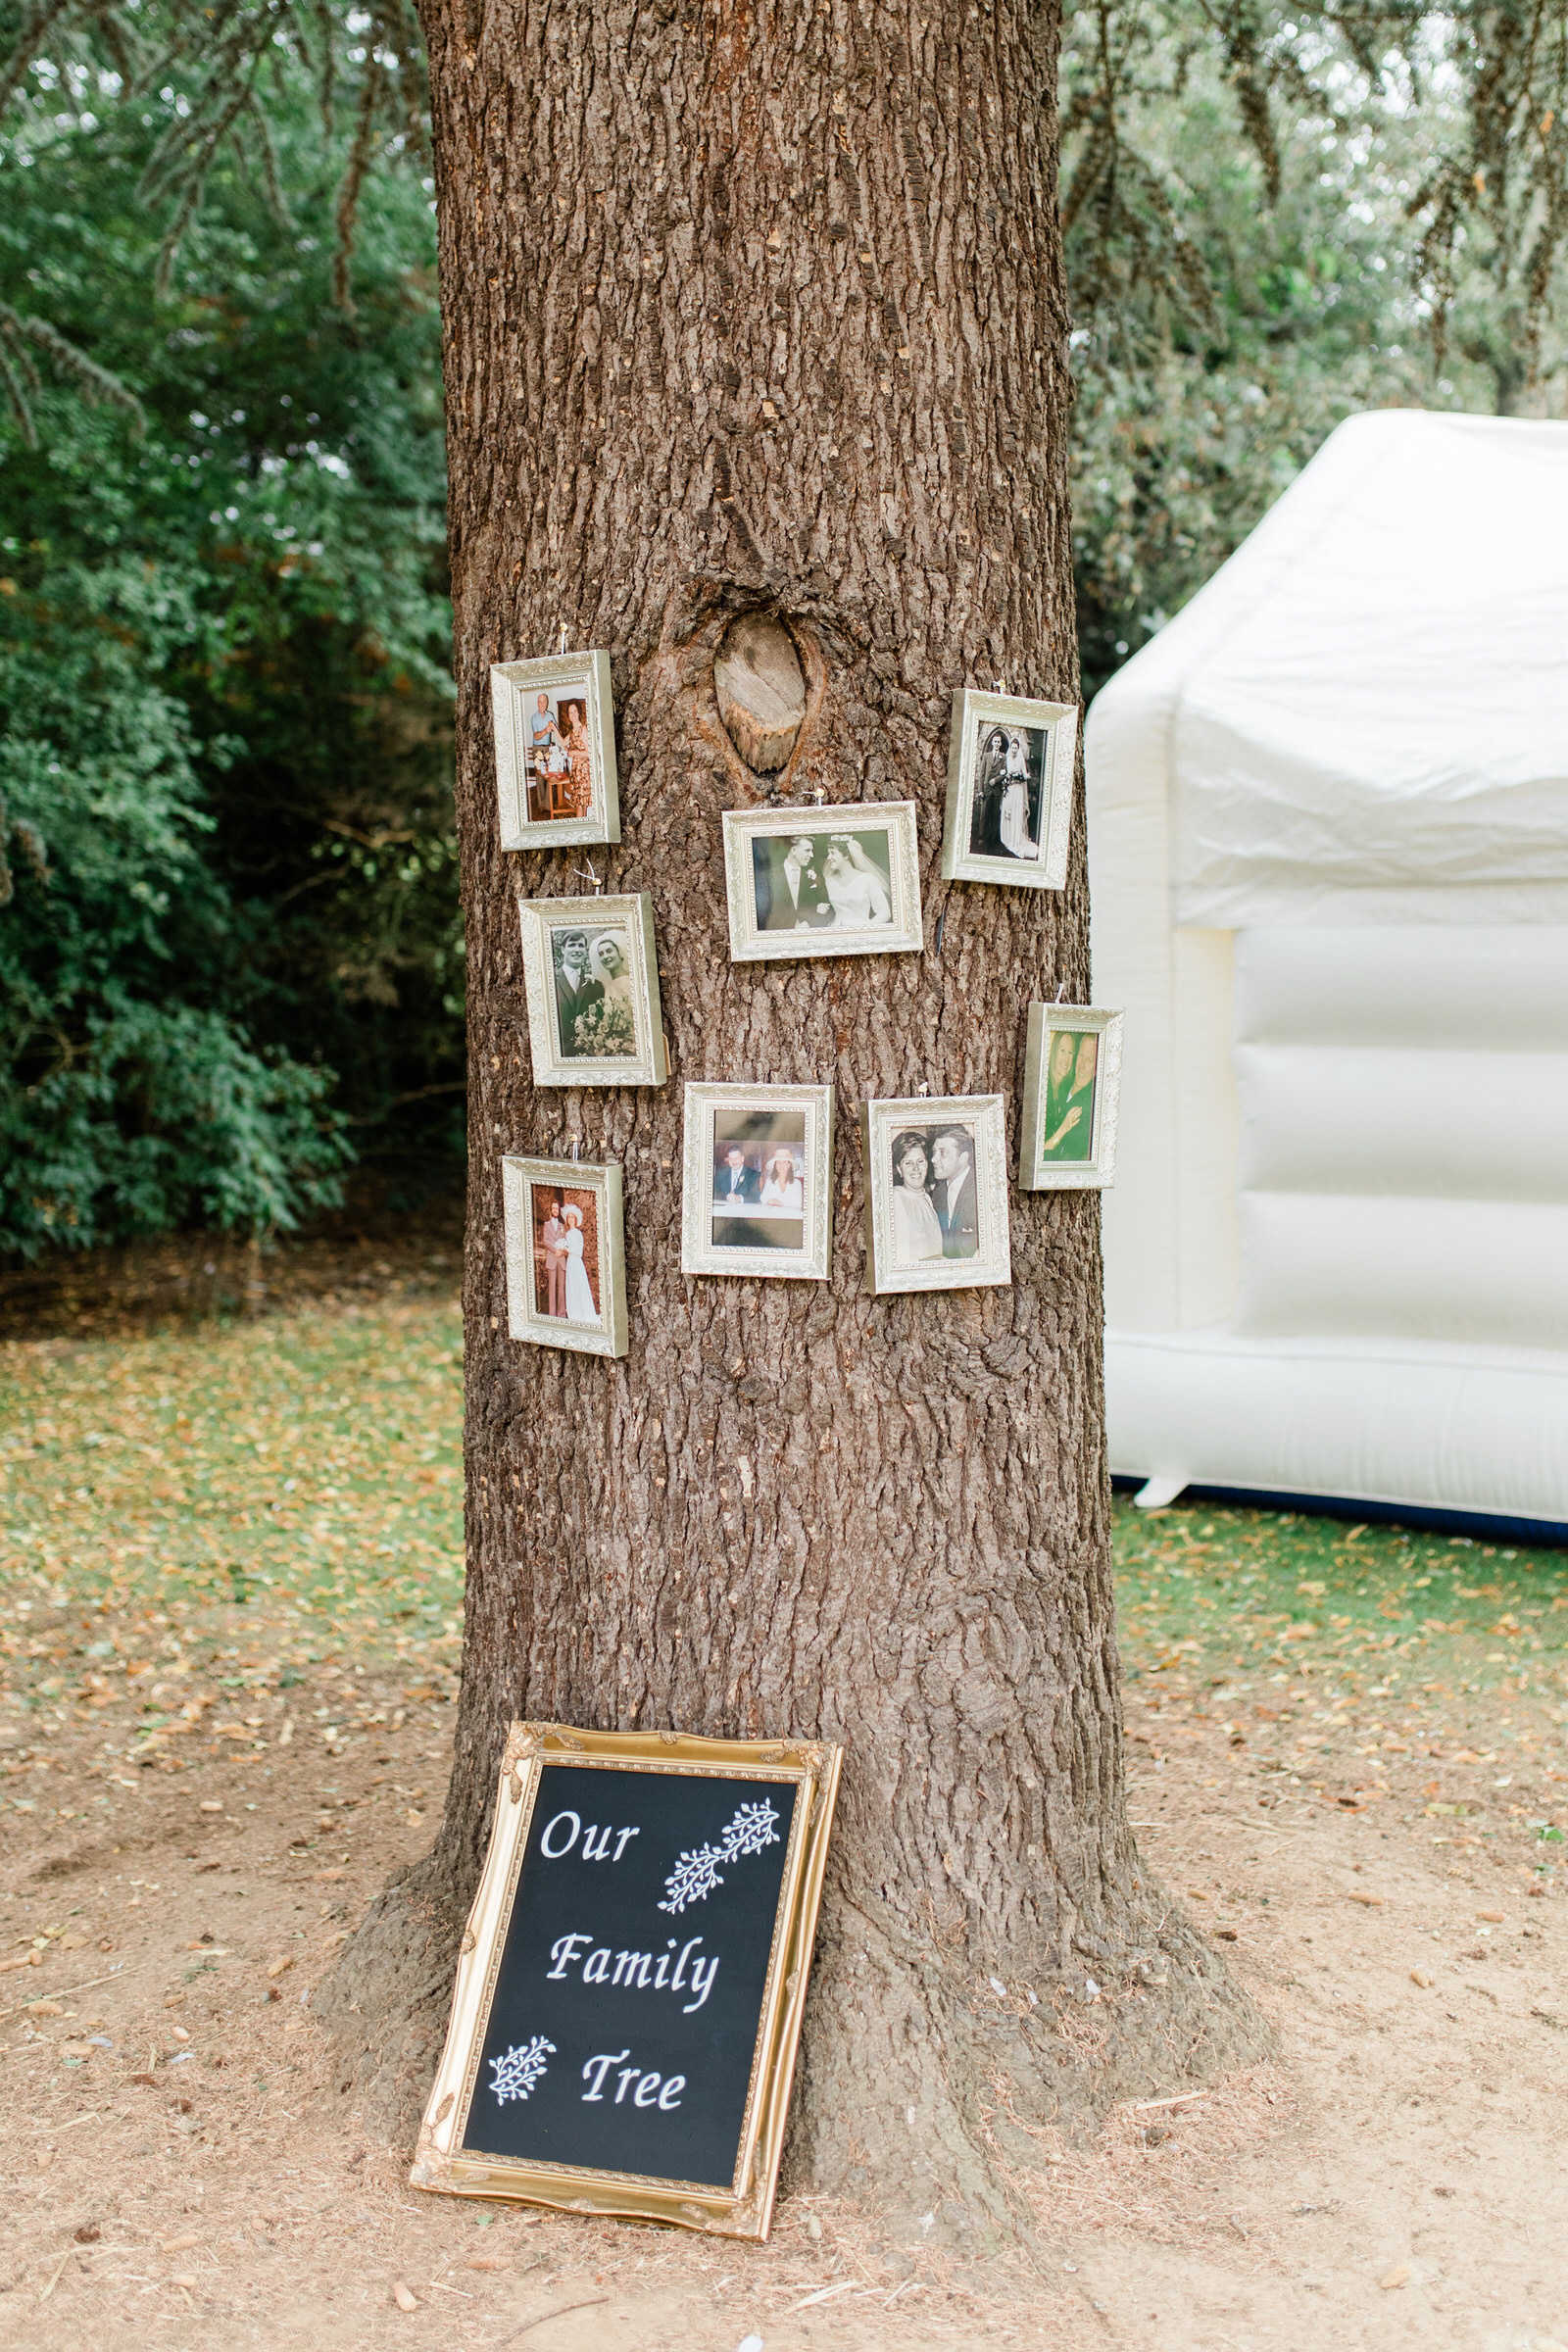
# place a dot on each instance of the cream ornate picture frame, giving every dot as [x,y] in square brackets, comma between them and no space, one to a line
[591,974]
[757,1197]
[554,743]
[936,1193]
[565,1254]
[615,2086]
[1010,789]
[841,880]
[1071,1097]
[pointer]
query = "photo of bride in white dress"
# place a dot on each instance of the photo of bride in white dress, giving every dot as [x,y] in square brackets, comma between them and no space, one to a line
[1009,775]
[581,1308]
[856,890]
[565,1235]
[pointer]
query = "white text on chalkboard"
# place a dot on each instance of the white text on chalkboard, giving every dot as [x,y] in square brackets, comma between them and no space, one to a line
[566,1838]
[648,2085]
[631,1969]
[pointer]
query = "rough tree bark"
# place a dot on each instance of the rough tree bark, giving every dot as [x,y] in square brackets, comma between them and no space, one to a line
[759,310]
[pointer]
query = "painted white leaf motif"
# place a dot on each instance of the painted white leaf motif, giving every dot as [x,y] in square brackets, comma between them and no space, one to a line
[697,1873]
[519,2069]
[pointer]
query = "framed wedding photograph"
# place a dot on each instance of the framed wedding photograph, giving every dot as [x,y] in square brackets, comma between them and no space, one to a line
[758,1192]
[837,881]
[936,1194]
[1010,789]
[565,1254]
[554,737]
[592,982]
[1072,1083]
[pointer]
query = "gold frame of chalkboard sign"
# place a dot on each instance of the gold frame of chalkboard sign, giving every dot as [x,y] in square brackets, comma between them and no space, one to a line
[745,2208]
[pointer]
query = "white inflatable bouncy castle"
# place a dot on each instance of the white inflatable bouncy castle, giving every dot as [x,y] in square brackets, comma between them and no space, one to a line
[1328,849]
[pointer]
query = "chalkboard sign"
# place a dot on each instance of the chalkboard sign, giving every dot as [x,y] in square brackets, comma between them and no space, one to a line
[632,1976]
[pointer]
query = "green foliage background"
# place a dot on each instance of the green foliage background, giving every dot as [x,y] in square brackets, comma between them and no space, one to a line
[232,963]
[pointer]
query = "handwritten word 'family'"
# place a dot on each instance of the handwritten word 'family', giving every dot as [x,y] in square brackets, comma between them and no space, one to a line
[631,1969]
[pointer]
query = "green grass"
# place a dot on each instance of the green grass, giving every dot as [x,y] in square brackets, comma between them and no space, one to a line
[1273,1595]
[307,1466]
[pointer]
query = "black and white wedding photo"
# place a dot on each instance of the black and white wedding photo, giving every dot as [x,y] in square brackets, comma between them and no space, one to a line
[936,1194]
[822,882]
[1010,789]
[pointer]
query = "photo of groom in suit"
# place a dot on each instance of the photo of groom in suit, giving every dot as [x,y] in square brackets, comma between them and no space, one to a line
[577,990]
[736,1184]
[791,894]
[954,1192]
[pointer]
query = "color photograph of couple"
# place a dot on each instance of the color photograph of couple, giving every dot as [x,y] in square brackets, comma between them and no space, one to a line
[756,1188]
[758,1180]
[566,1253]
[1072,1060]
[1010,789]
[936,1202]
[553,723]
[559,756]
[596,1013]
[821,881]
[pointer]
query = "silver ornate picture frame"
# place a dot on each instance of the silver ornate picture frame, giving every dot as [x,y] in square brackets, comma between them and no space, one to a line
[936,1193]
[1072,1093]
[756,1195]
[565,1254]
[554,740]
[841,880]
[1010,789]
[591,975]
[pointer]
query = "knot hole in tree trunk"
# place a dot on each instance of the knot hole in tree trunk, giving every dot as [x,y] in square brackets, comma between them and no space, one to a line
[760,690]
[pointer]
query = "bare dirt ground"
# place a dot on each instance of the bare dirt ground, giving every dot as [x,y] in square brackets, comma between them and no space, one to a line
[177,2166]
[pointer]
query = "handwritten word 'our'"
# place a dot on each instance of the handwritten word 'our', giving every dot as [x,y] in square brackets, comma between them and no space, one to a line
[559,1841]
[631,1969]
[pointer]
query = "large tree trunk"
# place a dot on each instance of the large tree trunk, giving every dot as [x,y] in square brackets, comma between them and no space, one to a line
[760,310]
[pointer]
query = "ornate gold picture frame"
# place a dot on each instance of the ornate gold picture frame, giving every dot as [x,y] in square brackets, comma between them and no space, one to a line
[626,1834]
